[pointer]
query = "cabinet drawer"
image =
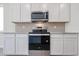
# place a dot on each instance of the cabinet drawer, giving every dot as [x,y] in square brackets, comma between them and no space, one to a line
[70,35]
[21,35]
[56,38]
[9,35]
[56,35]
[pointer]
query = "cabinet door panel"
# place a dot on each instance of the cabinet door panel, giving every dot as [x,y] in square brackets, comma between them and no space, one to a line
[21,44]
[1,40]
[59,12]
[57,35]
[53,12]
[70,44]
[9,44]
[25,12]
[56,44]
[68,47]
[64,11]
[11,14]
[56,47]
[36,7]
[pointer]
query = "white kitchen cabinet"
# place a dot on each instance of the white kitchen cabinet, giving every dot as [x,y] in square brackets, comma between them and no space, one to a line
[53,9]
[11,14]
[22,44]
[64,12]
[58,12]
[9,44]
[1,43]
[70,44]
[39,7]
[56,44]
[1,40]
[12,11]
[63,44]
[25,12]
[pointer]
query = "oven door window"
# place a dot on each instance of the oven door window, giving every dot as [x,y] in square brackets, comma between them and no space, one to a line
[35,39]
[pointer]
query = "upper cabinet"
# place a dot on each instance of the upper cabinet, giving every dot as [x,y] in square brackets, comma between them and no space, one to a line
[53,12]
[25,12]
[59,12]
[39,7]
[12,12]
[64,12]
[21,11]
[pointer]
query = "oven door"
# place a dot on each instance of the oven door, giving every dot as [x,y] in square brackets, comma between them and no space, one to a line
[34,42]
[39,42]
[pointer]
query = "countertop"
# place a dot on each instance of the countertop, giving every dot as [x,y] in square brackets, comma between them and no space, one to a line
[39,34]
[63,32]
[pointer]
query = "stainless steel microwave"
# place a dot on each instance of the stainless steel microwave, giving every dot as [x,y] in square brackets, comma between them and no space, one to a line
[39,16]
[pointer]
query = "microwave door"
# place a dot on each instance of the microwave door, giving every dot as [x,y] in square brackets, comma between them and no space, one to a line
[39,16]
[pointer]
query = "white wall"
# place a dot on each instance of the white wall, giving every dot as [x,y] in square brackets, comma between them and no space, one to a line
[73,25]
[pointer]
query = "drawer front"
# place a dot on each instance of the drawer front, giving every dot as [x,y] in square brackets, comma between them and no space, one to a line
[56,35]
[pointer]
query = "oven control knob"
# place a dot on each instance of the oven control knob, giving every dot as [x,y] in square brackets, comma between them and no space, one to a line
[39,47]
[46,40]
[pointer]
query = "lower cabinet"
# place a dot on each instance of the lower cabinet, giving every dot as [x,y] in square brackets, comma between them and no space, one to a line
[60,44]
[16,44]
[9,44]
[56,44]
[63,44]
[70,44]
[21,44]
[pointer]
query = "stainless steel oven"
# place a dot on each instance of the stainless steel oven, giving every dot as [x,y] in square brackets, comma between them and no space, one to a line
[39,41]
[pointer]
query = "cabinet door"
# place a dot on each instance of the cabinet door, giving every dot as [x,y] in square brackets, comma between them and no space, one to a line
[53,12]
[12,11]
[56,44]
[1,40]
[11,14]
[36,7]
[1,44]
[25,12]
[39,7]
[9,44]
[21,44]
[70,44]
[64,12]
[58,12]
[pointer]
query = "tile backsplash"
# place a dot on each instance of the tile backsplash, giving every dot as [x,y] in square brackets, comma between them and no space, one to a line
[51,27]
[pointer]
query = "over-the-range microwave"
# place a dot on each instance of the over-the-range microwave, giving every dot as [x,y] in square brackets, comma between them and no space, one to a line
[39,16]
